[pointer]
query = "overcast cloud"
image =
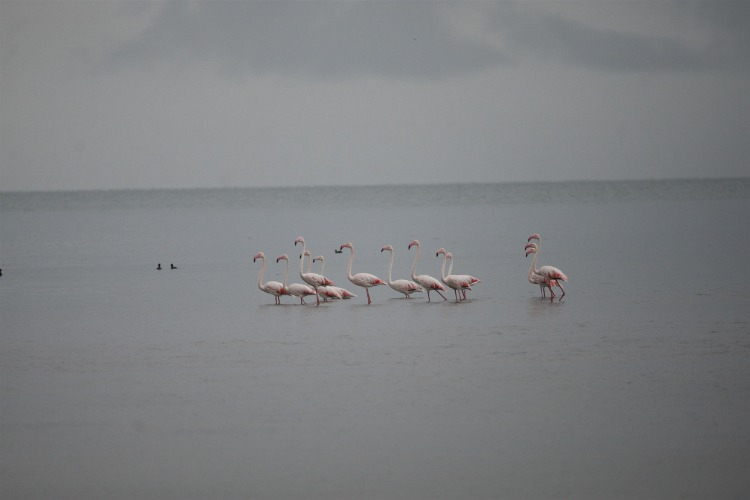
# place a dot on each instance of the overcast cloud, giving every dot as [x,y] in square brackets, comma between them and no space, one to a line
[181,93]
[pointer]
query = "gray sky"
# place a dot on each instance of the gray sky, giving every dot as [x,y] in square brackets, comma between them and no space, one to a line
[129,94]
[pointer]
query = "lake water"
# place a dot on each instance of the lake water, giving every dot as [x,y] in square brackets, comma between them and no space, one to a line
[119,381]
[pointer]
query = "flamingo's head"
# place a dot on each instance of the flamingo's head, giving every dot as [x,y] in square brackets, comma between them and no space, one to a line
[449,256]
[346,245]
[319,257]
[415,242]
[387,247]
[530,250]
[534,236]
[531,245]
[259,255]
[441,251]
[282,257]
[306,253]
[299,240]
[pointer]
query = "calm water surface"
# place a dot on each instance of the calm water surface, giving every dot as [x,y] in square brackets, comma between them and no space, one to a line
[120,381]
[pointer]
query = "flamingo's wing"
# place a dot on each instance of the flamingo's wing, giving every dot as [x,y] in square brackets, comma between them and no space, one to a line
[366,280]
[429,282]
[551,272]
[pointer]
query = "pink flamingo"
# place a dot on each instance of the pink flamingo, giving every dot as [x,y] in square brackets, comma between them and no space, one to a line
[345,294]
[453,281]
[471,279]
[428,282]
[407,287]
[273,287]
[295,289]
[327,292]
[534,277]
[550,276]
[312,279]
[365,280]
[549,271]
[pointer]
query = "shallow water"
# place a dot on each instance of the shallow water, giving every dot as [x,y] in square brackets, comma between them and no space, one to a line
[120,381]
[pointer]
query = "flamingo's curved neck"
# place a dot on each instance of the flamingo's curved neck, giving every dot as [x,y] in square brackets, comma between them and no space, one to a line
[450,268]
[532,271]
[301,257]
[533,262]
[414,266]
[286,274]
[309,262]
[260,274]
[390,267]
[322,264]
[351,260]
[442,269]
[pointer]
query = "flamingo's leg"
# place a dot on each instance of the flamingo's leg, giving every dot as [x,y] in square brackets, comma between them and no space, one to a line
[428,295]
[443,296]
[367,290]
[561,288]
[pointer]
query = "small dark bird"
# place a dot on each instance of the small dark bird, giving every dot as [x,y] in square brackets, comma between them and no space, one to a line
[158,267]
[338,251]
[172,266]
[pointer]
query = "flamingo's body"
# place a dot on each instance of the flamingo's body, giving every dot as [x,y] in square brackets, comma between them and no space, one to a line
[550,272]
[295,289]
[273,287]
[456,282]
[345,294]
[407,287]
[534,277]
[461,277]
[330,292]
[428,282]
[365,280]
[312,279]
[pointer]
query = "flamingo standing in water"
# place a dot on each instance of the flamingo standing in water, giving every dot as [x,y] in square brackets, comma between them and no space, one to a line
[546,276]
[295,289]
[345,294]
[534,277]
[462,277]
[327,292]
[455,282]
[365,280]
[549,271]
[407,287]
[273,287]
[428,282]
[312,279]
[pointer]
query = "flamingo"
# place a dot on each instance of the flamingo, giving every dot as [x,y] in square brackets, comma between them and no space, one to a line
[345,294]
[312,279]
[273,287]
[534,277]
[365,280]
[295,289]
[462,277]
[455,282]
[551,276]
[428,282]
[546,270]
[536,236]
[407,287]
[327,292]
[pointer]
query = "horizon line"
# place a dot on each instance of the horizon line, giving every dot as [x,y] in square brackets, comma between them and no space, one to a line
[414,184]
